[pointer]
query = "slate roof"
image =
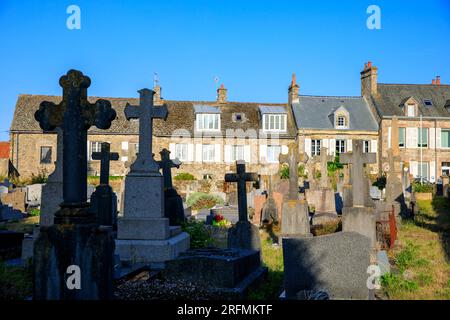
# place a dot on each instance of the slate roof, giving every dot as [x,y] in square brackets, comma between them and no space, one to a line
[389,97]
[181,116]
[316,112]
[272,109]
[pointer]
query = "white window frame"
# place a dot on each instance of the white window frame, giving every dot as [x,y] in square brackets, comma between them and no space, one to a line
[344,122]
[274,122]
[237,153]
[340,146]
[315,147]
[181,151]
[208,152]
[203,121]
[419,138]
[272,155]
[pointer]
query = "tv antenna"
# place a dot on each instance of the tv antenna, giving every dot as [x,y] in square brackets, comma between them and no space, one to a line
[155,79]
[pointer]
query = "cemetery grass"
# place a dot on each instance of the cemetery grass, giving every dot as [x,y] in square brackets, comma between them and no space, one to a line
[25,225]
[421,268]
[15,282]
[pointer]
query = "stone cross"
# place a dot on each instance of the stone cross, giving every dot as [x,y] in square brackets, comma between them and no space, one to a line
[357,159]
[241,177]
[166,165]
[394,136]
[292,159]
[105,157]
[75,115]
[324,158]
[145,112]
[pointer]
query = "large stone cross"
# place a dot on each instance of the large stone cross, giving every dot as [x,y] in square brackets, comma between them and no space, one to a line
[105,157]
[75,115]
[357,158]
[241,177]
[292,159]
[166,165]
[145,112]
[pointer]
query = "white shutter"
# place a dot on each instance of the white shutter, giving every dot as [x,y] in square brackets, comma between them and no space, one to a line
[190,152]
[373,146]
[263,152]
[332,146]
[172,150]
[432,171]
[414,168]
[411,137]
[284,149]
[227,153]
[431,138]
[124,145]
[438,138]
[198,152]
[325,144]
[247,153]
[218,152]
[389,137]
[349,145]
[308,146]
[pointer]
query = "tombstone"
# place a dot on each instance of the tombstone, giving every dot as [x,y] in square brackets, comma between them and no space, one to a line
[143,233]
[15,199]
[8,213]
[244,234]
[335,264]
[173,203]
[375,193]
[34,194]
[103,199]
[272,206]
[360,216]
[75,240]
[295,212]
[321,197]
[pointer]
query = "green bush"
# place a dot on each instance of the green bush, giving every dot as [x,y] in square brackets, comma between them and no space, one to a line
[41,177]
[422,188]
[200,200]
[34,212]
[15,283]
[184,176]
[199,234]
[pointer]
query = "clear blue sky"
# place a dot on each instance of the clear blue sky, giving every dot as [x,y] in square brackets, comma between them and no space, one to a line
[252,46]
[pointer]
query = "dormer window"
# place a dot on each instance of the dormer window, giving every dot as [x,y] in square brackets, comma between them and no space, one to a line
[274,119]
[341,122]
[428,102]
[340,117]
[207,118]
[410,107]
[411,110]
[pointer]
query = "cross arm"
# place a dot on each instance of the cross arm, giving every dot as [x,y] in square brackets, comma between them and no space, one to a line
[369,158]
[131,112]
[114,156]
[49,115]
[232,177]
[160,112]
[345,158]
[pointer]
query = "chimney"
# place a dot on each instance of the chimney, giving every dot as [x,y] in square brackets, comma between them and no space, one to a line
[433,81]
[438,80]
[369,79]
[222,94]
[293,91]
[157,100]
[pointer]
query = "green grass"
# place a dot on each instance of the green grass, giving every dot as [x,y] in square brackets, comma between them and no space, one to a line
[15,282]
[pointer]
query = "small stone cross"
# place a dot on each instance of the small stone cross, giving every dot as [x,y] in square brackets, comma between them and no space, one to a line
[357,159]
[292,159]
[75,115]
[105,157]
[324,158]
[145,112]
[241,177]
[166,165]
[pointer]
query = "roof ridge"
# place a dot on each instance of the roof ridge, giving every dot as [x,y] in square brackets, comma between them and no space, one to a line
[415,84]
[345,97]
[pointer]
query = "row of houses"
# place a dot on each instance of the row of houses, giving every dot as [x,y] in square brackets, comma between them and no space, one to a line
[208,136]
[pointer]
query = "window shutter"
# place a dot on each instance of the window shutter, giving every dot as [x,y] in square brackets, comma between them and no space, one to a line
[263,152]
[349,145]
[432,171]
[247,154]
[411,137]
[198,152]
[431,138]
[124,145]
[227,153]
[172,150]
[325,144]
[389,137]
[414,168]
[190,152]
[332,146]
[438,138]
[308,146]
[373,146]
[217,152]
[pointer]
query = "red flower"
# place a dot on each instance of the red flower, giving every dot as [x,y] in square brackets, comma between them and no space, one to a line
[218,218]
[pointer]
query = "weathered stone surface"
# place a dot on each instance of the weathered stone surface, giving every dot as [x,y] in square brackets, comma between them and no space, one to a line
[33,194]
[269,211]
[244,235]
[322,218]
[295,218]
[14,199]
[322,199]
[336,264]
[361,220]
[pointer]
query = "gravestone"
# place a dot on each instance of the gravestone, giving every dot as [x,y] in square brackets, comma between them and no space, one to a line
[360,216]
[271,209]
[336,264]
[143,234]
[244,234]
[75,240]
[34,194]
[8,213]
[104,200]
[14,199]
[173,203]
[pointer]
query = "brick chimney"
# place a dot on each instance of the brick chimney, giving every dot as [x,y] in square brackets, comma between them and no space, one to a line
[438,80]
[293,91]
[369,79]
[157,100]
[222,94]
[433,81]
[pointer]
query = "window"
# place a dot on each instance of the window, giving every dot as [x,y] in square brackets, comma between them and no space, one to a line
[366,146]
[46,155]
[401,137]
[181,151]
[423,138]
[410,110]
[208,152]
[315,147]
[273,153]
[274,122]
[341,122]
[96,146]
[208,122]
[237,153]
[423,171]
[445,168]
[445,138]
[340,146]
[428,102]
